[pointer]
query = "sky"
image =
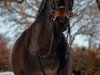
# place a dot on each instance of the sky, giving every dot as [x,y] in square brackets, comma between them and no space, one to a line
[12,31]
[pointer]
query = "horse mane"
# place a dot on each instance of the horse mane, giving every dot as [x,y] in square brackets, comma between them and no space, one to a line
[42,8]
[42,14]
[40,21]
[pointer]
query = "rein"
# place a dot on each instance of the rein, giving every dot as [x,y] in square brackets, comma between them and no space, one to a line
[48,53]
[44,56]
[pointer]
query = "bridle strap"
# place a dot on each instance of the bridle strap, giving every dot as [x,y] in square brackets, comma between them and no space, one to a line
[44,56]
[41,64]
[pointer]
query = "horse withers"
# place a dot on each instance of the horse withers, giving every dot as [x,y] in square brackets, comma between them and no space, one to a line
[42,49]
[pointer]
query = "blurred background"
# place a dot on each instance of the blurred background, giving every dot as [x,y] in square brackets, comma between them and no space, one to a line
[18,15]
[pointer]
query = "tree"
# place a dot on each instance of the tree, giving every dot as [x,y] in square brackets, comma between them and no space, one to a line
[86,62]
[85,21]
[12,8]
[5,55]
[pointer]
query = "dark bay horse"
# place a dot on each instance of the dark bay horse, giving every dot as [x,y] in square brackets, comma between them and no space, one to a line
[42,49]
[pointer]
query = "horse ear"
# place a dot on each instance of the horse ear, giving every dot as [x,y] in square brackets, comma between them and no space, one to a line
[42,8]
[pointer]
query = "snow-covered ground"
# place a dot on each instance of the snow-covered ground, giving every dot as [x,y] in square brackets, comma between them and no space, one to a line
[6,73]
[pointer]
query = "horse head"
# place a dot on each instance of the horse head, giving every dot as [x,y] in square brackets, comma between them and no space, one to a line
[60,14]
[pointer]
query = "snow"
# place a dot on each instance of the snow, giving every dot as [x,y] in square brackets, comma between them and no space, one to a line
[6,73]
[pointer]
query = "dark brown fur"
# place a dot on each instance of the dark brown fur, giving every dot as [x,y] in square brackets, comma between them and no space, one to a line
[24,56]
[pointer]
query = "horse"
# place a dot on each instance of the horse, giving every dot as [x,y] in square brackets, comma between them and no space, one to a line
[42,49]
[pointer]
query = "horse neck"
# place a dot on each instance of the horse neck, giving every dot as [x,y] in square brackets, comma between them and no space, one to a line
[45,22]
[47,27]
[43,19]
[41,34]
